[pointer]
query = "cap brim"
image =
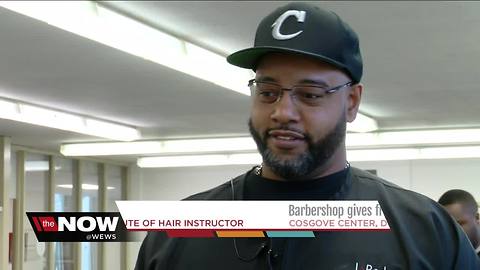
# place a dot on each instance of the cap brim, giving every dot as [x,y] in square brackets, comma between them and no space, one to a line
[248,58]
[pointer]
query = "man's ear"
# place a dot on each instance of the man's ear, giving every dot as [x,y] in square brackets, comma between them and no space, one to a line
[353,103]
[477,218]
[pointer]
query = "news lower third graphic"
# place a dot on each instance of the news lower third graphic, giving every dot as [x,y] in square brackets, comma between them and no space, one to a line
[210,219]
[252,218]
[78,226]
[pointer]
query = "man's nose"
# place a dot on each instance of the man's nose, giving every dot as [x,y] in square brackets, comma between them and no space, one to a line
[285,110]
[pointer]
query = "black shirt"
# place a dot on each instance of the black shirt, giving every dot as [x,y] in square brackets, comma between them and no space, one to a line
[324,188]
[423,236]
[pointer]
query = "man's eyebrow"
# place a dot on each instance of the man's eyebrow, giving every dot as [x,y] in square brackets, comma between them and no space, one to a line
[265,79]
[303,81]
[314,82]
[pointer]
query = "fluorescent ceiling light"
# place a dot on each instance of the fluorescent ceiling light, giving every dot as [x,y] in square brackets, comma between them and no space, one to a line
[38,166]
[352,156]
[31,114]
[414,153]
[84,186]
[382,154]
[246,144]
[160,147]
[91,20]
[413,138]
[199,160]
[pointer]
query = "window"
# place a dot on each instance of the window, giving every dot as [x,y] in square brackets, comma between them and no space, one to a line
[36,179]
[90,183]
[64,202]
[114,192]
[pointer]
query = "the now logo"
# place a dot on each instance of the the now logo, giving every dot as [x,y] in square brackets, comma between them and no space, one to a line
[77,226]
[72,224]
[101,223]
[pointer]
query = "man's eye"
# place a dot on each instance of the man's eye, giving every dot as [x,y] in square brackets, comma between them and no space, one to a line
[310,96]
[310,93]
[266,93]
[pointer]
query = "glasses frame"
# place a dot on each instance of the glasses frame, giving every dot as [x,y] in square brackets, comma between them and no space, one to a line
[329,90]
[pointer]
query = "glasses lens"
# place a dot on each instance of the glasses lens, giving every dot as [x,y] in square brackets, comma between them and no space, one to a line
[310,95]
[266,92]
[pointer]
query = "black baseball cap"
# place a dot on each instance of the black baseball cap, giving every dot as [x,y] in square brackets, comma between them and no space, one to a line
[305,29]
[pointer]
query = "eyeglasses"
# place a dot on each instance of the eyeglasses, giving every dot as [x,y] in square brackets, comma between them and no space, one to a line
[310,95]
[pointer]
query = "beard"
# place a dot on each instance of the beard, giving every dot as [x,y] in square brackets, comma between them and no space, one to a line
[316,155]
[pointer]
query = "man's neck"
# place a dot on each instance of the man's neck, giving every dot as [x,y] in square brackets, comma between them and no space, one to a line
[325,170]
[337,162]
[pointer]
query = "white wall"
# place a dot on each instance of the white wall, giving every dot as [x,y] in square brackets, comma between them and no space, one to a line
[433,178]
[178,183]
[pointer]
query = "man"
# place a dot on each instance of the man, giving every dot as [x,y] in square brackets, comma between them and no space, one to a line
[461,205]
[307,86]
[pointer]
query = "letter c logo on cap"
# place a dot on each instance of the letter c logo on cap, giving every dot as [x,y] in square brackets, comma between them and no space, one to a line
[278,23]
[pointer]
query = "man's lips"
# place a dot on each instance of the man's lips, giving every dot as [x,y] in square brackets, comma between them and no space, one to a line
[286,134]
[286,139]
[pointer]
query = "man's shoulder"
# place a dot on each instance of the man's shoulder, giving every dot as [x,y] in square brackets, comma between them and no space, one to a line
[401,204]
[402,207]
[366,178]
[395,198]
[379,186]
